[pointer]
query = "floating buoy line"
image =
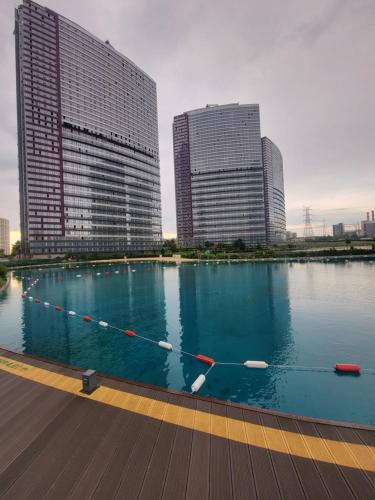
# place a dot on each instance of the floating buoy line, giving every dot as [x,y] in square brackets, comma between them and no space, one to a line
[339,368]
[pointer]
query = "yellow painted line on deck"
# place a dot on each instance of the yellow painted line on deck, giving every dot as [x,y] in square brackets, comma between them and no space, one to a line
[349,454]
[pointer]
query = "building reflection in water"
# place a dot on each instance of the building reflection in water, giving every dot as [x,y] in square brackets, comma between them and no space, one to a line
[129,301]
[231,312]
[234,312]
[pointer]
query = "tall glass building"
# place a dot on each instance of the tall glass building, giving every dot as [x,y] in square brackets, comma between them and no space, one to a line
[88,141]
[220,176]
[4,237]
[274,192]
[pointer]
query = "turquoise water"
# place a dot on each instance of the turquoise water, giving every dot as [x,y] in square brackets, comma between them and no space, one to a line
[313,314]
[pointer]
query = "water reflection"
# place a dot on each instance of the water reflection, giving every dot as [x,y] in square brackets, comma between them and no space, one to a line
[301,314]
[129,301]
[233,313]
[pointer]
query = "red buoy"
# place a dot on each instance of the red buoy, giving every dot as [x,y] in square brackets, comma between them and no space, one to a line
[58,308]
[205,359]
[350,368]
[86,318]
[106,273]
[37,301]
[130,333]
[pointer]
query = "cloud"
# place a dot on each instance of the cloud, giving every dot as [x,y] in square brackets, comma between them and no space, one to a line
[310,66]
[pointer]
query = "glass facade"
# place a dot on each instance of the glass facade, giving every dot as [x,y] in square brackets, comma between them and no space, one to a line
[219,175]
[88,141]
[274,192]
[4,237]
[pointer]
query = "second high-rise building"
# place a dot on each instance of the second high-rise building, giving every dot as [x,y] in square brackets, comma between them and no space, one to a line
[88,141]
[229,181]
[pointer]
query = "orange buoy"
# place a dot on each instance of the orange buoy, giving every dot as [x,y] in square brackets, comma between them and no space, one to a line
[348,368]
[205,359]
[130,333]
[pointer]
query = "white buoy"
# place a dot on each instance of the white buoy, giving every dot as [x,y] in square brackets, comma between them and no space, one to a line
[72,313]
[46,304]
[78,275]
[133,270]
[165,345]
[98,274]
[197,384]
[30,298]
[103,323]
[117,272]
[256,364]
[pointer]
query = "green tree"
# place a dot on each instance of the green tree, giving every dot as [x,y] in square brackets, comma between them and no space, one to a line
[16,249]
[239,245]
[170,245]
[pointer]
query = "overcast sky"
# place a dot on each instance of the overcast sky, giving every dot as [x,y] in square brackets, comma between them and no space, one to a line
[309,64]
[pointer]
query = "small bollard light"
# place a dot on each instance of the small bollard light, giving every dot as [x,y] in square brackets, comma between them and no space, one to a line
[89,381]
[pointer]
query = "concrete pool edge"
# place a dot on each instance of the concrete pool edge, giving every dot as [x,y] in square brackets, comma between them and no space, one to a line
[204,399]
[173,260]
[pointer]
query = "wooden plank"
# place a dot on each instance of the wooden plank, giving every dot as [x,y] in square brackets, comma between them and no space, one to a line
[90,435]
[57,449]
[285,471]
[136,467]
[178,470]
[104,455]
[310,478]
[17,404]
[362,454]
[33,420]
[153,483]
[367,437]
[331,474]
[199,468]
[49,459]
[358,481]
[110,480]
[21,463]
[11,386]
[220,466]
[243,482]
[264,475]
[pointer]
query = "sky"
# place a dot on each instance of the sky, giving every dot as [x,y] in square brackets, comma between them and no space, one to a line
[309,65]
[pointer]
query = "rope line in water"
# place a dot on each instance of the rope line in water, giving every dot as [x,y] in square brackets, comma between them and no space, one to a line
[201,378]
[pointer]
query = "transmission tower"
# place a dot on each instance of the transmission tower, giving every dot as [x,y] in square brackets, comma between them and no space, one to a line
[308,230]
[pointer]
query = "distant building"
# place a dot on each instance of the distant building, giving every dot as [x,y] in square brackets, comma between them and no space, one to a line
[87,141]
[345,230]
[4,237]
[338,229]
[229,182]
[290,235]
[368,226]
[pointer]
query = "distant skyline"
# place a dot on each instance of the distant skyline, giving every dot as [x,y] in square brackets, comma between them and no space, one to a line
[310,66]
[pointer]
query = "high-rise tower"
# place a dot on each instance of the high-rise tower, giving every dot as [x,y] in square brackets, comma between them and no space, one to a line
[274,192]
[228,186]
[4,237]
[88,141]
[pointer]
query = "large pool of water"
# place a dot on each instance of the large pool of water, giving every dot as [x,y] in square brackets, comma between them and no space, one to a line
[302,314]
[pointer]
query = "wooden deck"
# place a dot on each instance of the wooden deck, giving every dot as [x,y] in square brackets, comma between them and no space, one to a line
[128,441]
